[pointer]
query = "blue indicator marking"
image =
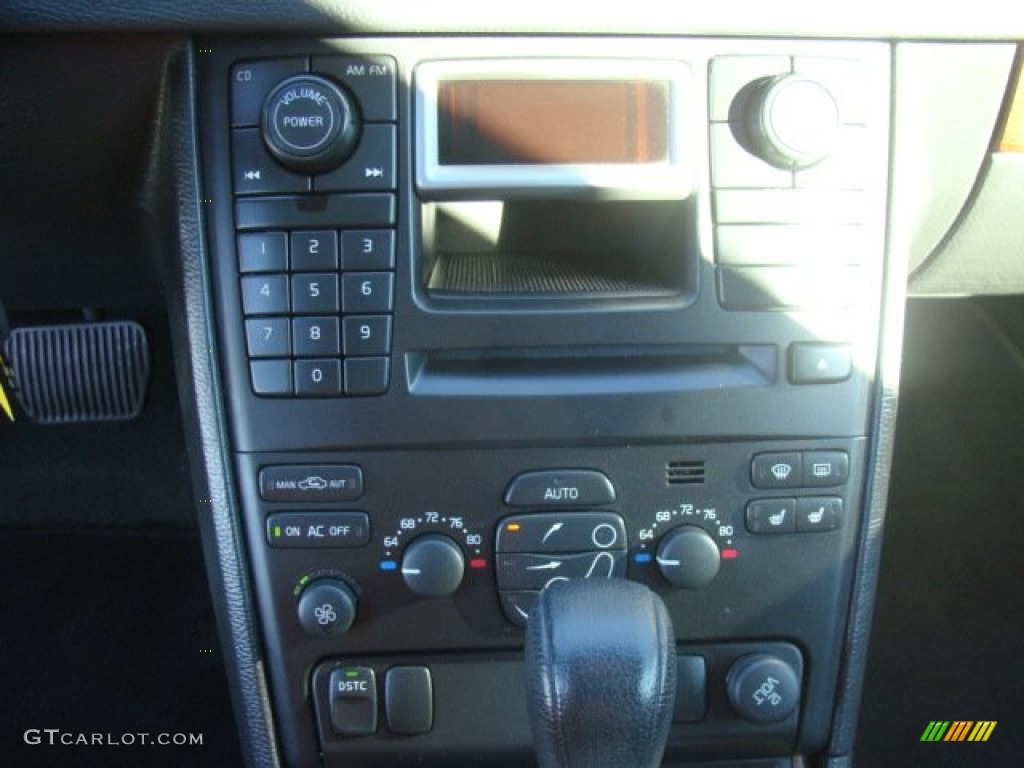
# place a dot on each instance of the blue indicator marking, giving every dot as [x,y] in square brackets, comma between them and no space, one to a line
[643,557]
[388,565]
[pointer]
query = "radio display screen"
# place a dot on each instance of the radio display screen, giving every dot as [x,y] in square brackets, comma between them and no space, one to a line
[552,122]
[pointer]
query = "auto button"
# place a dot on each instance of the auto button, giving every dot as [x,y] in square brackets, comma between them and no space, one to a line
[560,488]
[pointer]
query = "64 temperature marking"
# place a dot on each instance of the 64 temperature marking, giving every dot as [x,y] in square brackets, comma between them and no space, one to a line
[454,526]
[687,513]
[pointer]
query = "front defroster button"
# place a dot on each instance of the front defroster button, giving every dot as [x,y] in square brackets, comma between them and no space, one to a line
[776,470]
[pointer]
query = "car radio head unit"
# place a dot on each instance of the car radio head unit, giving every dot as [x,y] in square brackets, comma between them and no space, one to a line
[592,128]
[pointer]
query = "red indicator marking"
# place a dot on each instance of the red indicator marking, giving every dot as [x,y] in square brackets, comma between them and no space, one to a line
[478,563]
[730,554]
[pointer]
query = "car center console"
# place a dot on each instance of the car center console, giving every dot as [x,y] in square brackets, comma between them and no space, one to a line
[496,312]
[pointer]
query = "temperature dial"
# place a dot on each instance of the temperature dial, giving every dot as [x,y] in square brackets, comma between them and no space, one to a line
[688,557]
[432,566]
[793,121]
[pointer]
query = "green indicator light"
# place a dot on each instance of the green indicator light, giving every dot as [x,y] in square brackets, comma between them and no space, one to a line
[351,673]
[277,531]
[304,580]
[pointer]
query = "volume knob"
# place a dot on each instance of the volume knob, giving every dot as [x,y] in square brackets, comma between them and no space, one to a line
[792,121]
[310,124]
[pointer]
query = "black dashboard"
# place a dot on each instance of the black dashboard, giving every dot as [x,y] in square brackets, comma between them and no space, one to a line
[464,308]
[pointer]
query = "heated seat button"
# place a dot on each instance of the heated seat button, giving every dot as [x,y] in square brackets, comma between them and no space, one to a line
[560,488]
[409,700]
[353,698]
[771,516]
[561,532]
[311,482]
[815,514]
[776,470]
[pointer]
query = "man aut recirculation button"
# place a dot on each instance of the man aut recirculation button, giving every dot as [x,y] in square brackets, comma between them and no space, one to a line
[310,124]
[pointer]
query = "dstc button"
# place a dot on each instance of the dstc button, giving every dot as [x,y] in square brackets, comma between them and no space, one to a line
[560,488]
[353,698]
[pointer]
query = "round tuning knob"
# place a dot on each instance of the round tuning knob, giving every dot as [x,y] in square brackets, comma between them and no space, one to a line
[688,557]
[327,608]
[432,566]
[792,121]
[310,124]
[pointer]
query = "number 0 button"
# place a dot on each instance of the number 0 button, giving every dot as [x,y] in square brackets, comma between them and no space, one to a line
[368,292]
[318,378]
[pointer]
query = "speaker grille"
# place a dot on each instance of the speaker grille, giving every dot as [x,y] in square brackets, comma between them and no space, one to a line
[684,472]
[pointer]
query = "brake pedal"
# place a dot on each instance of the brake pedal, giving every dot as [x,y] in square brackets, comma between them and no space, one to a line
[87,372]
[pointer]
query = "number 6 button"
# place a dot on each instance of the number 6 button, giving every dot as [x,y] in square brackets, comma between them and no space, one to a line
[367,292]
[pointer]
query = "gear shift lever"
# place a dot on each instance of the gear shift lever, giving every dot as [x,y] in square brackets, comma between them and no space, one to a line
[600,668]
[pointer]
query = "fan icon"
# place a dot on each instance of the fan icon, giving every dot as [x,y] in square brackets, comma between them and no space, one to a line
[325,614]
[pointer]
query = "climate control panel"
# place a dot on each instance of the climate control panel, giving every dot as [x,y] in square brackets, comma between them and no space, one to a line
[413,553]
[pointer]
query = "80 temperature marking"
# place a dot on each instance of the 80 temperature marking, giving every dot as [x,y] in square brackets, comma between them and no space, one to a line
[707,515]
